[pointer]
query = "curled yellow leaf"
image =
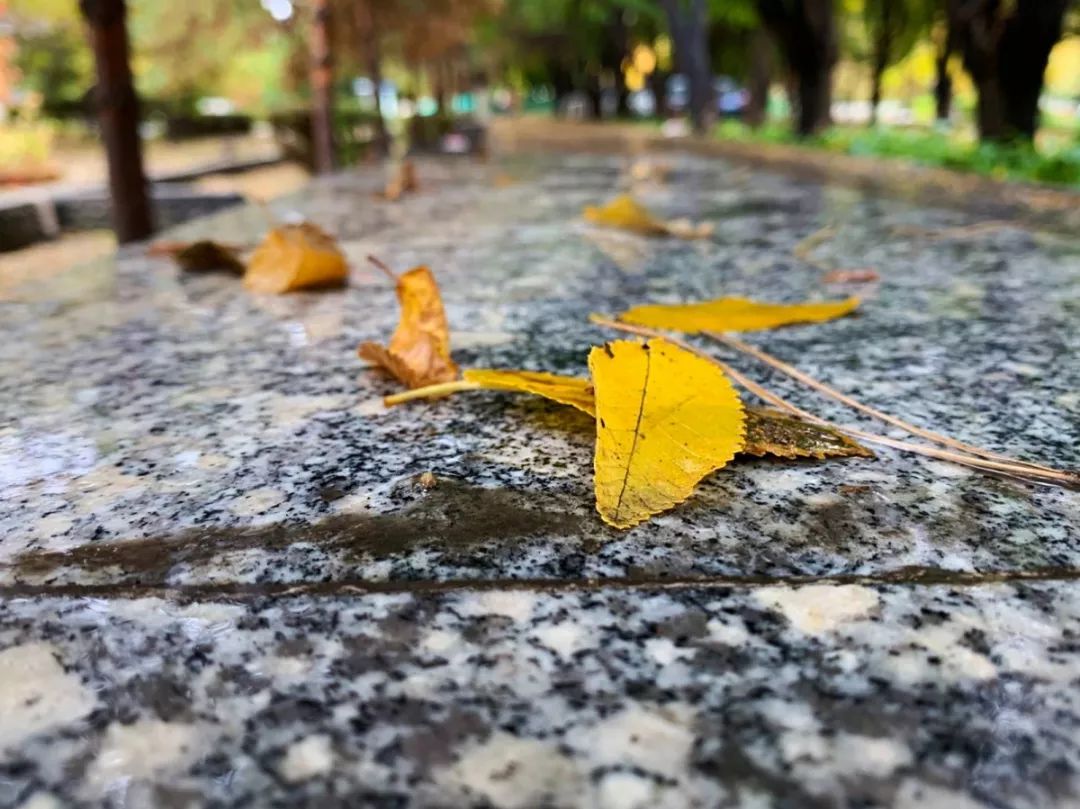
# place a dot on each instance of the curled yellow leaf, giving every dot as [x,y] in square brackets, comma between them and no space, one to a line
[295,257]
[419,350]
[626,213]
[734,314]
[665,419]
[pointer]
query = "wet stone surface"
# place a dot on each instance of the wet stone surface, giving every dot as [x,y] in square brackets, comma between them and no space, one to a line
[202,494]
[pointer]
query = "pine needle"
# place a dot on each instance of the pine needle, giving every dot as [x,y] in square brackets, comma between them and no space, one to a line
[959,232]
[843,398]
[382,266]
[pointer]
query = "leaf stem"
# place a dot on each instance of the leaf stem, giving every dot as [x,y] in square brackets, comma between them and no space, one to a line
[382,266]
[440,389]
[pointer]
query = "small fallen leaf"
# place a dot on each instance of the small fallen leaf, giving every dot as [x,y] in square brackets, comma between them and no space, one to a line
[503,180]
[646,170]
[734,314]
[626,213]
[402,181]
[295,257]
[665,419]
[850,276]
[771,432]
[419,350]
[200,256]
[207,255]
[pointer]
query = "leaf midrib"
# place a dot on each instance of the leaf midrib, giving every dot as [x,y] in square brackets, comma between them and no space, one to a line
[637,431]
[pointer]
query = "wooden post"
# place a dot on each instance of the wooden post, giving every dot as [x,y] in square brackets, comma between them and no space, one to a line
[118,114]
[322,88]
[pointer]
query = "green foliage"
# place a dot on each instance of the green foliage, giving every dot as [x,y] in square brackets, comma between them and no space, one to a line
[1016,161]
[56,64]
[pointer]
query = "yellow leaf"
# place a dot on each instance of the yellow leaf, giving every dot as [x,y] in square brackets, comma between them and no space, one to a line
[567,390]
[295,257]
[771,432]
[734,314]
[628,214]
[419,350]
[665,419]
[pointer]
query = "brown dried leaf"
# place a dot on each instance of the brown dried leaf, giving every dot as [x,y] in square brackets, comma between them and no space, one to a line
[207,255]
[771,432]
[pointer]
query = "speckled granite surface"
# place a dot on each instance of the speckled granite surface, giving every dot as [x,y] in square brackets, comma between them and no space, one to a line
[221,585]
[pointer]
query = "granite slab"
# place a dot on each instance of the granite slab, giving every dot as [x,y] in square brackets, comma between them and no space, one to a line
[823,695]
[215,541]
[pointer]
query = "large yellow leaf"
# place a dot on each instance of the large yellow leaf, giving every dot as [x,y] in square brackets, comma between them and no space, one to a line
[295,257]
[626,213]
[734,314]
[567,390]
[665,419]
[419,351]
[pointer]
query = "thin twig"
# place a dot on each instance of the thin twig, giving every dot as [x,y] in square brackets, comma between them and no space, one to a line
[382,266]
[833,393]
[807,245]
[1006,467]
[962,231]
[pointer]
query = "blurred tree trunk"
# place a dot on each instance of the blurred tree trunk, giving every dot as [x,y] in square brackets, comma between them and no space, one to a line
[655,83]
[882,45]
[322,88]
[372,57]
[562,83]
[688,22]
[1005,48]
[437,75]
[615,50]
[943,82]
[118,114]
[805,31]
[759,78]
